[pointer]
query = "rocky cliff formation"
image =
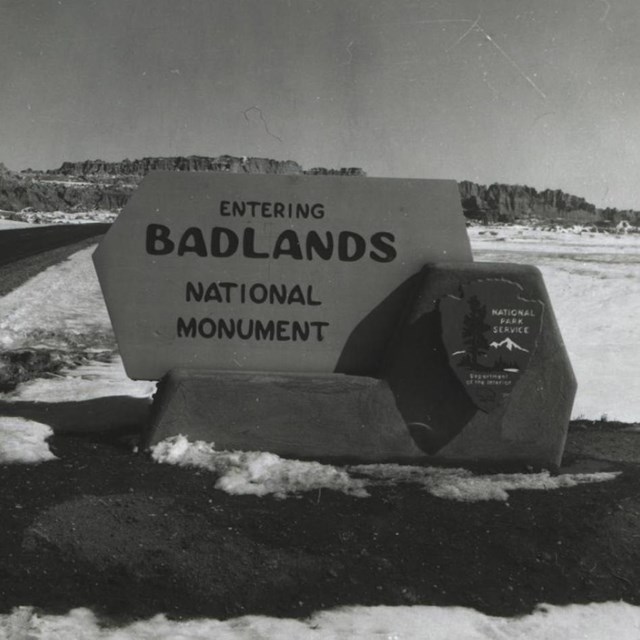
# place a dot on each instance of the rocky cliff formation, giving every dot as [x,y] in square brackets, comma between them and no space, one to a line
[18,192]
[508,203]
[511,203]
[227,164]
[140,168]
[99,185]
[346,171]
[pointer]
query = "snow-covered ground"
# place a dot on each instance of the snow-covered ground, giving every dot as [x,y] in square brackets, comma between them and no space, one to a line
[593,280]
[59,308]
[93,380]
[24,441]
[69,183]
[585,622]
[29,218]
[13,224]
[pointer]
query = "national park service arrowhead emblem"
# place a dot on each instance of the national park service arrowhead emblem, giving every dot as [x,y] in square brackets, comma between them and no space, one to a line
[490,332]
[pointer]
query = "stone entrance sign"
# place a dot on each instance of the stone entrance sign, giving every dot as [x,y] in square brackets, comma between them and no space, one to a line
[270,273]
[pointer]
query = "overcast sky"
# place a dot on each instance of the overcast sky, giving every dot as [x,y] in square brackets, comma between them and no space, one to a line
[537,92]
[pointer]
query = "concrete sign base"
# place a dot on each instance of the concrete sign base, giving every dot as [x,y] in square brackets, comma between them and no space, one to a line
[328,416]
[476,372]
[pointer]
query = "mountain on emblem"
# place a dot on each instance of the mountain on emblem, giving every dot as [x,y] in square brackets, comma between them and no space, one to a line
[508,344]
[490,332]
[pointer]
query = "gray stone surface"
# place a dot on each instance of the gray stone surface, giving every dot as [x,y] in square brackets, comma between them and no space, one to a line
[241,272]
[332,416]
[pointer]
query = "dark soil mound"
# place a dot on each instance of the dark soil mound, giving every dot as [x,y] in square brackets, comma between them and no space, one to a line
[111,530]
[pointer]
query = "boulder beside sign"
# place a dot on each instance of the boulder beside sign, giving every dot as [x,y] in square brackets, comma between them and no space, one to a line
[270,273]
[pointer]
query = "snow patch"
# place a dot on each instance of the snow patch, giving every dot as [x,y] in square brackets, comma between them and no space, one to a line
[463,485]
[42,218]
[260,474]
[254,472]
[23,441]
[13,224]
[89,381]
[548,622]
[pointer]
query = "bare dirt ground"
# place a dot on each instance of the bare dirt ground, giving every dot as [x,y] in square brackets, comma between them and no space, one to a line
[109,529]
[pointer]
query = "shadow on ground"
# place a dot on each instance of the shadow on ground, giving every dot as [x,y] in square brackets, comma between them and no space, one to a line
[111,413]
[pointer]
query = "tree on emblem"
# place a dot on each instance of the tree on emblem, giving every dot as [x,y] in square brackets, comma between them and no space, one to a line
[473,329]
